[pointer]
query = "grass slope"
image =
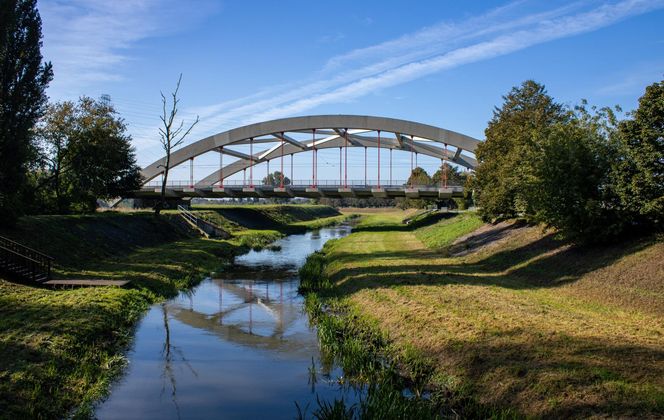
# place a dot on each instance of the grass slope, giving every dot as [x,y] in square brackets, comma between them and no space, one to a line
[280,217]
[59,349]
[529,324]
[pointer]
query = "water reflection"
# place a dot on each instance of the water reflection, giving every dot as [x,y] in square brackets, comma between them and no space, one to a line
[254,313]
[238,346]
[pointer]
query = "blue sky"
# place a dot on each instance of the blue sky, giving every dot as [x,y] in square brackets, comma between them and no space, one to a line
[444,63]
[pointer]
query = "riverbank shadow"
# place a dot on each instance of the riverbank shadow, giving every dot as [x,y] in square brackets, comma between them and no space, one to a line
[544,262]
[416,223]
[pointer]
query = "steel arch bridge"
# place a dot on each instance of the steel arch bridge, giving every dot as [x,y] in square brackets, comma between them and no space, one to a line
[290,136]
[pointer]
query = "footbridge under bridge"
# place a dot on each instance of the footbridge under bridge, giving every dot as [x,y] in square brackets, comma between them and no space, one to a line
[279,142]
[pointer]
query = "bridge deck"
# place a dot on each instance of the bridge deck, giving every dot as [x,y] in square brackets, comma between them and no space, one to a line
[304,191]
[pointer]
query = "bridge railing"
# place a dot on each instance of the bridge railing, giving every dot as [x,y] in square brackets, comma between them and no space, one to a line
[370,183]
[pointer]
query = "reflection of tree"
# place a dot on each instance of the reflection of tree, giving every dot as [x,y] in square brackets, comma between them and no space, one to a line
[167,351]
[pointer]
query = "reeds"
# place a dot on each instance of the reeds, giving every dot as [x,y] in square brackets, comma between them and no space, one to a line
[370,365]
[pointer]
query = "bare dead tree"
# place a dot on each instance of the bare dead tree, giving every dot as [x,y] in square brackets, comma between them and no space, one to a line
[171,135]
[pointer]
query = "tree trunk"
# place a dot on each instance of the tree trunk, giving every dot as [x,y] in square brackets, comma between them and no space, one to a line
[162,199]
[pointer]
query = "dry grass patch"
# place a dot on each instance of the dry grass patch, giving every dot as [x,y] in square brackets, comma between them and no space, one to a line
[531,323]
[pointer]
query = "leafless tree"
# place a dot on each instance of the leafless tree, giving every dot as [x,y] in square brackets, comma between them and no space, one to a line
[171,135]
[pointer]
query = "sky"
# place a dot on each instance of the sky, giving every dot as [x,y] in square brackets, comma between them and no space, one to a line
[444,63]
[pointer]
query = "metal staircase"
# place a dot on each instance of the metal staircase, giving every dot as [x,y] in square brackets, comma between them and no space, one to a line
[207,229]
[23,262]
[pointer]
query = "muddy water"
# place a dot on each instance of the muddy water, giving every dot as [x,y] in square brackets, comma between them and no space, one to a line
[237,346]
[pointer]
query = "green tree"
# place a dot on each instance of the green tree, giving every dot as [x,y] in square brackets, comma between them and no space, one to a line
[454,175]
[86,154]
[54,132]
[572,171]
[504,176]
[23,80]
[640,172]
[274,179]
[419,177]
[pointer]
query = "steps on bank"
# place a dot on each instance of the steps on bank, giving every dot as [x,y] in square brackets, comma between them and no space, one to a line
[205,228]
[23,262]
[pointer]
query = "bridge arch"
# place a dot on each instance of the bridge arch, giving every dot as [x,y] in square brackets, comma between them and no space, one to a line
[333,131]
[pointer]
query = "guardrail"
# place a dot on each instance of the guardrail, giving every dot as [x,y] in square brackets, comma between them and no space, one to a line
[191,217]
[371,183]
[23,261]
[205,227]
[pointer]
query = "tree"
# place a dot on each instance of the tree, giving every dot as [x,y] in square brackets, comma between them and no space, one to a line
[86,155]
[640,173]
[171,136]
[504,176]
[23,81]
[573,178]
[274,179]
[419,177]
[454,176]
[54,132]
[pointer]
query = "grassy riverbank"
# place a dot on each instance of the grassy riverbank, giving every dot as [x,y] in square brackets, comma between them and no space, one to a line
[60,349]
[510,320]
[276,217]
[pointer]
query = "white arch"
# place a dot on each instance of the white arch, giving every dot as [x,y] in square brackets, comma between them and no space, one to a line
[335,128]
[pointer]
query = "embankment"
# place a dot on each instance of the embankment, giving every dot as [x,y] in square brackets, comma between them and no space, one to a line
[510,320]
[282,218]
[60,349]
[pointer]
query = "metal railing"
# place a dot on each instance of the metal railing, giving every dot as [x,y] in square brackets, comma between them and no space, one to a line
[209,229]
[23,261]
[370,183]
[191,217]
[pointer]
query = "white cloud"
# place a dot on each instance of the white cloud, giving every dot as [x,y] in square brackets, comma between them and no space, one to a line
[87,40]
[412,56]
[544,31]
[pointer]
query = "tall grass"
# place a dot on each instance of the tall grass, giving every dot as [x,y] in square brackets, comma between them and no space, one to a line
[370,365]
[312,273]
[396,381]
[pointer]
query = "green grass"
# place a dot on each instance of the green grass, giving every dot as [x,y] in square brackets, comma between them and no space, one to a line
[526,326]
[60,349]
[322,222]
[285,218]
[443,233]
[350,341]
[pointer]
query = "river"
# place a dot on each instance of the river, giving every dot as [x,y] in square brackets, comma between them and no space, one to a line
[239,345]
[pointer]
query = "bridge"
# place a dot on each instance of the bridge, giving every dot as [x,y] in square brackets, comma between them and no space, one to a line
[281,140]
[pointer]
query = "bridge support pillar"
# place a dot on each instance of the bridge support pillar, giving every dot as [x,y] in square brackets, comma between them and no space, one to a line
[346,192]
[445,192]
[412,193]
[379,192]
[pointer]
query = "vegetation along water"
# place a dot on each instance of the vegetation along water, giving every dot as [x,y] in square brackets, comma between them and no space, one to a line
[520,275]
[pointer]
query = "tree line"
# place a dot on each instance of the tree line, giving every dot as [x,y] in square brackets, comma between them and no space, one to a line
[59,157]
[576,169]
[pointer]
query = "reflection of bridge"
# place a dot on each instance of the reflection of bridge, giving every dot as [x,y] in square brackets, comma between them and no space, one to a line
[290,136]
[249,315]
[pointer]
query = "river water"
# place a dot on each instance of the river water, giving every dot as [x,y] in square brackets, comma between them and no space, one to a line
[239,345]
